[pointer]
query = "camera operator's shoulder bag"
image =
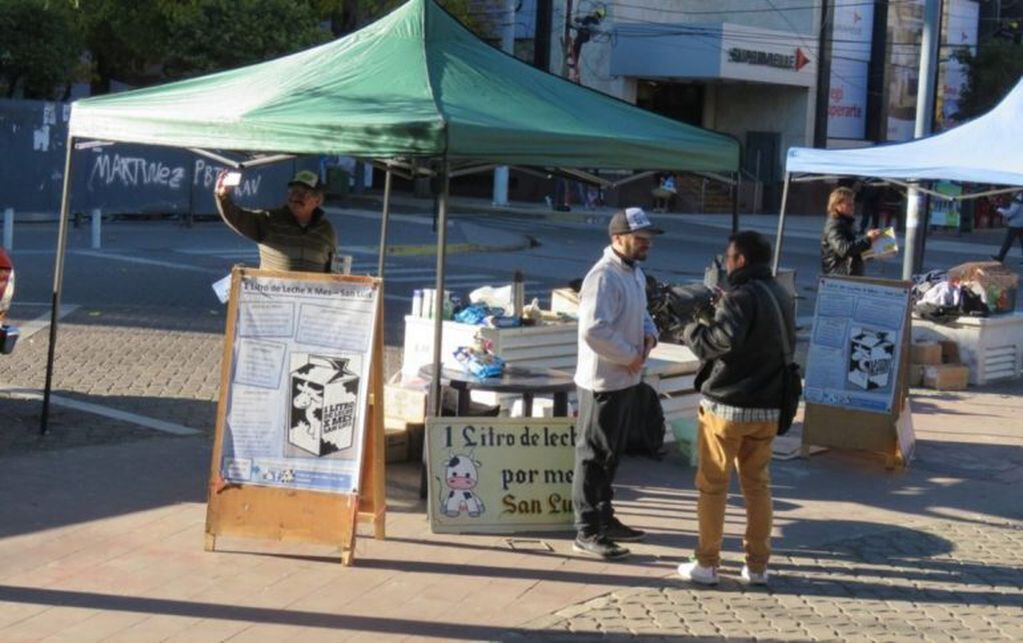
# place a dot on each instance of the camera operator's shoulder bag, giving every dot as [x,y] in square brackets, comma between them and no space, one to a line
[791,378]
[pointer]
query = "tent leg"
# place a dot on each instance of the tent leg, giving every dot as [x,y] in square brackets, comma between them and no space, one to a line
[438,300]
[781,225]
[384,217]
[735,202]
[58,282]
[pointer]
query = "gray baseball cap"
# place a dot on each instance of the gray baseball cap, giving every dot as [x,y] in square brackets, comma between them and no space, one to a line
[632,221]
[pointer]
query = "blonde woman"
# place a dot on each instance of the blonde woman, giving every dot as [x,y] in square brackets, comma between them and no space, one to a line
[841,248]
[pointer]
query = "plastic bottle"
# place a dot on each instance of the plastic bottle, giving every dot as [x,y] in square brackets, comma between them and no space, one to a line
[417,303]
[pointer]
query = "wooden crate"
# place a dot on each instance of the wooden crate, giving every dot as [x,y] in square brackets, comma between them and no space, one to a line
[545,346]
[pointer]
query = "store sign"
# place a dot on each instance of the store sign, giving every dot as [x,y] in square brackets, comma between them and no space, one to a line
[796,61]
[850,61]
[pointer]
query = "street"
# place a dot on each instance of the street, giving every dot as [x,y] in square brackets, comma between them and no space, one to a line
[101,519]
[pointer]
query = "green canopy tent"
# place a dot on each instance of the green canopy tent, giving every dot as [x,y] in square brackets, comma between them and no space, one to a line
[416,93]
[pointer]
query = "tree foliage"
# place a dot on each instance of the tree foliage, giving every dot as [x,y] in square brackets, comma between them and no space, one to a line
[145,42]
[991,73]
[40,47]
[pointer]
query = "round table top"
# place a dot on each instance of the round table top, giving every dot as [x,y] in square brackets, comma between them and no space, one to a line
[515,379]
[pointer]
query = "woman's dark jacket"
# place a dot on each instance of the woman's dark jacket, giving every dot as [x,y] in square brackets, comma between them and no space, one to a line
[841,249]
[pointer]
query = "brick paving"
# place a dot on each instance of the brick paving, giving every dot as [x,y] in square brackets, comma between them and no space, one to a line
[157,362]
[934,553]
[945,581]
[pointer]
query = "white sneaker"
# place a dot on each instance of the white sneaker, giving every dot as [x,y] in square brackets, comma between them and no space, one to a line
[695,572]
[753,578]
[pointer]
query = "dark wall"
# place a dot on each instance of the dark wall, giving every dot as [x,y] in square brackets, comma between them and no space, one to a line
[118,179]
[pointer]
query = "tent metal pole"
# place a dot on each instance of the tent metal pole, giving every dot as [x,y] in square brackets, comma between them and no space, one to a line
[781,225]
[438,297]
[735,203]
[58,282]
[384,217]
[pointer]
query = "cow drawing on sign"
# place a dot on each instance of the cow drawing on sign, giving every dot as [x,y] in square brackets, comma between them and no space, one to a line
[311,401]
[461,476]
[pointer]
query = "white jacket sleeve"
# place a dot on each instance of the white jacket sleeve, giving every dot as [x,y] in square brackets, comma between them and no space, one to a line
[600,301]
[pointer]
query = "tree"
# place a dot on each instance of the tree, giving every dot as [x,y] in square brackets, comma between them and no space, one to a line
[40,47]
[991,73]
[142,43]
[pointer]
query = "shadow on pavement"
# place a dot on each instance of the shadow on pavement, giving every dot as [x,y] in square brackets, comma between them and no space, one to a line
[289,617]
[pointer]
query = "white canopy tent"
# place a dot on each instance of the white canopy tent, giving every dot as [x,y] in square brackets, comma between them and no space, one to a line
[988,150]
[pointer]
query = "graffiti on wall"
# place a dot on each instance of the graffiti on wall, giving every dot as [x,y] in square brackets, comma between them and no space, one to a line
[133,171]
[204,175]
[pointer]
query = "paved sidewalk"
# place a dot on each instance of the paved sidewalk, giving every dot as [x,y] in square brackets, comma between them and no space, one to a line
[104,542]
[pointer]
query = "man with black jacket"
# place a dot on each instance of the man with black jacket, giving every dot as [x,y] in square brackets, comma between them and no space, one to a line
[740,380]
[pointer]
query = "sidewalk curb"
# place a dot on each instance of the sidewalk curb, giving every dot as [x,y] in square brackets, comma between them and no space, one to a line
[410,250]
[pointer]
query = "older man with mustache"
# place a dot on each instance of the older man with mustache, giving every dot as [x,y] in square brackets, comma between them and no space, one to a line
[295,236]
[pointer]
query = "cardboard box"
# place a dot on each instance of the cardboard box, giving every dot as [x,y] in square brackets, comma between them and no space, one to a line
[406,401]
[925,353]
[947,377]
[949,351]
[565,300]
[396,445]
[916,375]
[411,444]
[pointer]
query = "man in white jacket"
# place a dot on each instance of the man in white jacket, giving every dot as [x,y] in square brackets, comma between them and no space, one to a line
[615,336]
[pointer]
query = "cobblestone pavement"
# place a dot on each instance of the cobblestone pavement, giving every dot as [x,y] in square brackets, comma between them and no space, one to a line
[944,581]
[162,363]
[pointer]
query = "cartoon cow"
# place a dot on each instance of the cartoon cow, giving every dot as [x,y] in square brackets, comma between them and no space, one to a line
[311,401]
[461,477]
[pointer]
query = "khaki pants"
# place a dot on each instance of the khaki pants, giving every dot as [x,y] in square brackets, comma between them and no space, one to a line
[748,445]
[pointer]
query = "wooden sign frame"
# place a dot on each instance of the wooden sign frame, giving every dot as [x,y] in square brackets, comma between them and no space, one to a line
[283,514]
[851,429]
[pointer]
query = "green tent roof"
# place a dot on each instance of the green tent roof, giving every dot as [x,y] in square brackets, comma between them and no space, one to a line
[414,83]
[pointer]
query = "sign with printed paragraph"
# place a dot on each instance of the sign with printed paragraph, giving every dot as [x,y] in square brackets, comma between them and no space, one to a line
[856,387]
[500,475]
[298,452]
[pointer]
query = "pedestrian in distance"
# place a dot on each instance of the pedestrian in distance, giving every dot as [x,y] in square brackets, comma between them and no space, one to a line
[1013,214]
[869,197]
[739,345]
[616,334]
[841,249]
[296,236]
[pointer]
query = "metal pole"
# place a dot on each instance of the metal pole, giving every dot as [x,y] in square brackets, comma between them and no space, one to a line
[735,203]
[58,282]
[438,300]
[781,226]
[9,228]
[384,217]
[924,118]
[97,222]
[507,46]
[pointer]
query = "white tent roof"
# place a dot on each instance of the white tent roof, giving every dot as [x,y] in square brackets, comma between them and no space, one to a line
[988,149]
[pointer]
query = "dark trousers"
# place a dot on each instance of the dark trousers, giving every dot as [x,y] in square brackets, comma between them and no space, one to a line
[1011,234]
[603,426]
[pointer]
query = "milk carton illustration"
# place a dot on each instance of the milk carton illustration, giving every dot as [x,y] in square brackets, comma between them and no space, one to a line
[871,355]
[324,400]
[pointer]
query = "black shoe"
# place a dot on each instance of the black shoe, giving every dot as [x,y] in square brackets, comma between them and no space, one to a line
[615,530]
[599,547]
[995,258]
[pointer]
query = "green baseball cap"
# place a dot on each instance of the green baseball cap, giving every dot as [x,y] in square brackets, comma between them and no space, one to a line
[307,178]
